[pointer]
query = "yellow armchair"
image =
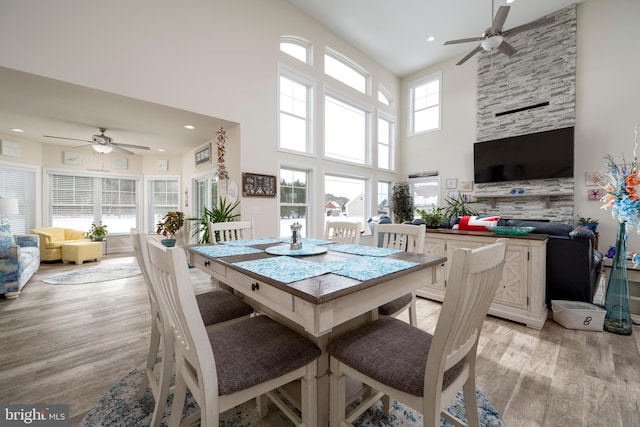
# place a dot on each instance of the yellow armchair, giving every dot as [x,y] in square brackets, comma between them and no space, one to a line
[52,238]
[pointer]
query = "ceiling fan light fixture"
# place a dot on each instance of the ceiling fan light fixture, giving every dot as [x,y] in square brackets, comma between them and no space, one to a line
[102,149]
[491,43]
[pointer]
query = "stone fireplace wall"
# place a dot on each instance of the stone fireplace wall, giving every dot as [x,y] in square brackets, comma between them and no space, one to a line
[539,81]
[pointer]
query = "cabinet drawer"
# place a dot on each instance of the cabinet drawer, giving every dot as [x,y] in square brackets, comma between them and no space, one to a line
[214,267]
[260,291]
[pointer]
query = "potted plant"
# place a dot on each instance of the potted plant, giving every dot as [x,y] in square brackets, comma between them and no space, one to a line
[589,223]
[169,226]
[97,232]
[402,203]
[458,206]
[222,212]
[432,219]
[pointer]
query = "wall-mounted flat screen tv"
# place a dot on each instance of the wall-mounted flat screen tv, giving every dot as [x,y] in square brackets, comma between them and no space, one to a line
[539,155]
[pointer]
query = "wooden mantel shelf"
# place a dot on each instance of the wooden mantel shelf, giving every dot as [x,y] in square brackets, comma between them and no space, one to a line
[547,196]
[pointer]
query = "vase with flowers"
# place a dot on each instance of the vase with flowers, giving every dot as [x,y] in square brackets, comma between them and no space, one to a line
[169,226]
[620,184]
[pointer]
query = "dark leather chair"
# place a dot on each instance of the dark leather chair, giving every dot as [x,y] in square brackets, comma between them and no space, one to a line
[573,263]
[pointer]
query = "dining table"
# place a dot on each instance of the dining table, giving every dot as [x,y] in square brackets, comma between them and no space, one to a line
[319,288]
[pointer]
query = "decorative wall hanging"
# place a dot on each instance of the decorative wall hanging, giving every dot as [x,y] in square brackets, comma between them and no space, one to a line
[12,149]
[258,185]
[119,163]
[222,170]
[162,165]
[466,185]
[203,155]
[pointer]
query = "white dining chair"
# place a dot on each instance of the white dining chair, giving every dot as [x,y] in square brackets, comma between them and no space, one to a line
[343,231]
[233,364]
[408,238]
[216,307]
[423,371]
[233,230]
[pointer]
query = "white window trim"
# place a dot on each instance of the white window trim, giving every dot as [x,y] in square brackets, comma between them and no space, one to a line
[147,196]
[393,143]
[385,92]
[284,71]
[311,174]
[300,42]
[354,66]
[37,196]
[424,80]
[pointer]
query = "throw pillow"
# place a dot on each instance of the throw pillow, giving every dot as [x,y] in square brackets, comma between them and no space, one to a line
[476,223]
[6,241]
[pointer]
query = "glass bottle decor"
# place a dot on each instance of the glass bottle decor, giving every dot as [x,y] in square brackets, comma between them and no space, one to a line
[616,302]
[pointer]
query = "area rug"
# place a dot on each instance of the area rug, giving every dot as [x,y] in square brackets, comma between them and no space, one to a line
[100,273]
[119,407]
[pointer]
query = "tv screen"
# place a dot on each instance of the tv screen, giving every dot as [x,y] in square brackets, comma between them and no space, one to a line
[539,155]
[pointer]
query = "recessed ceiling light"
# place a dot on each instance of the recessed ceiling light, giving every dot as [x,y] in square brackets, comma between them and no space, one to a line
[431,38]
[161,150]
[510,1]
[190,127]
[17,130]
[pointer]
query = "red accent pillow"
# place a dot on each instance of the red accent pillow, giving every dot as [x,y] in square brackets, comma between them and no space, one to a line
[477,223]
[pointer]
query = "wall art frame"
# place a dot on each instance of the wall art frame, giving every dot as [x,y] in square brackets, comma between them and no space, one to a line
[258,185]
[203,155]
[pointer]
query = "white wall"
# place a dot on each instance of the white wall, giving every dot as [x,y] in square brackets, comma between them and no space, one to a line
[608,107]
[218,58]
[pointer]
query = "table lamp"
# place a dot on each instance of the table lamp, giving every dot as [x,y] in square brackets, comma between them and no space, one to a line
[8,206]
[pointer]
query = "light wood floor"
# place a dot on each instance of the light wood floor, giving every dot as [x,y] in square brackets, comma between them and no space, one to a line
[70,344]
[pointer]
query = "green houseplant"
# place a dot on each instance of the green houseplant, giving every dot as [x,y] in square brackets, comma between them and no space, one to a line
[433,218]
[222,212]
[458,206]
[97,232]
[169,226]
[590,223]
[402,203]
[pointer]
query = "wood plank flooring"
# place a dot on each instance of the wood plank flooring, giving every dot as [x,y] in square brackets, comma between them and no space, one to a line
[70,344]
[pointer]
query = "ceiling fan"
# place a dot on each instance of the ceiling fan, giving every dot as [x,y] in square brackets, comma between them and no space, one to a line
[493,37]
[103,144]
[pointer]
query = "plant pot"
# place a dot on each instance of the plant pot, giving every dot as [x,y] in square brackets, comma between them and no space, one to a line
[169,243]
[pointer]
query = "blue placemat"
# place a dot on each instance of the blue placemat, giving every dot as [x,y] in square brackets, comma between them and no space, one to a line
[218,251]
[363,250]
[252,242]
[303,251]
[366,268]
[284,269]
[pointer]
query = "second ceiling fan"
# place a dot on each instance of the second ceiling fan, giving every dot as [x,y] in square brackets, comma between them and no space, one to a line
[494,37]
[103,143]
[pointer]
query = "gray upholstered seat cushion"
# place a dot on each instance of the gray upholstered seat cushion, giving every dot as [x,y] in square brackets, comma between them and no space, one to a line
[394,306]
[390,351]
[219,306]
[256,350]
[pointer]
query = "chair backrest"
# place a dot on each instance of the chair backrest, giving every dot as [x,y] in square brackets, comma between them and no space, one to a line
[169,270]
[473,280]
[226,231]
[343,231]
[141,252]
[405,237]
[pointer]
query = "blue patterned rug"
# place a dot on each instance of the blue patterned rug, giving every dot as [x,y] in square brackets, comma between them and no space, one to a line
[119,407]
[101,273]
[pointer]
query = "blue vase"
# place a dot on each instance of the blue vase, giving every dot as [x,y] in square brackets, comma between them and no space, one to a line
[616,302]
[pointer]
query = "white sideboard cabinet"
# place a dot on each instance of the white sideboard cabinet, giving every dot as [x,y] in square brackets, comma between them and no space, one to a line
[521,294]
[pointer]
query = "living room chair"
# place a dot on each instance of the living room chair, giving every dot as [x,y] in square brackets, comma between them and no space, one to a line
[232,364]
[226,231]
[408,238]
[217,308]
[423,371]
[343,231]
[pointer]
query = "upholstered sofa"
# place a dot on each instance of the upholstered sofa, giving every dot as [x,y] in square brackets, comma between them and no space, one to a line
[573,263]
[52,238]
[19,260]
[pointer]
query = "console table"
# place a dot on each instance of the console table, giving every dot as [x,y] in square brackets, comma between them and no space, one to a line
[521,294]
[633,273]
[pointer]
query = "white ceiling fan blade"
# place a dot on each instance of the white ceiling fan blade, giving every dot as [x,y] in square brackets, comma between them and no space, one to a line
[528,26]
[120,149]
[62,137]
[499,20]
[472,39]
[137,147]
[507,49]
[469,55]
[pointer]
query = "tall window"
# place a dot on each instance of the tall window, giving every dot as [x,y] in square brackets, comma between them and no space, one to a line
[346,127]
[346,71]
[296,47]
[78,200]
[19,183]
[424,96]
[294,203]
[164,196]
[350,195]
[295,112]
[383,198]
[386,136]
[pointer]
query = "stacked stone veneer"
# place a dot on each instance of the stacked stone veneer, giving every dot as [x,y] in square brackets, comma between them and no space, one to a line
[543,70]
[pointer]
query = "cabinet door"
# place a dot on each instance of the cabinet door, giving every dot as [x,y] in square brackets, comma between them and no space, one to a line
[513,288]
[436,247]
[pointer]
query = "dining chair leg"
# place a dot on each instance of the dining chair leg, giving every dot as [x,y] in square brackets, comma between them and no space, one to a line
[262,407]
[179,397]
[337,395]
[309,396]
[164,384]
[386,405]
[152,359]
[413,314]
[469,393]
